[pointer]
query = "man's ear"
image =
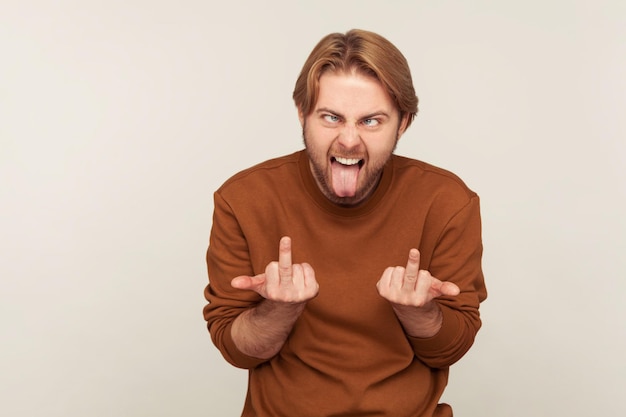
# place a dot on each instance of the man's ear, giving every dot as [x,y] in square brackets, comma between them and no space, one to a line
[404,123]
[301,116]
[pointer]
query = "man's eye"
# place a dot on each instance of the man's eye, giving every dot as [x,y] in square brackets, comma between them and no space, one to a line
[331,118]
[371,122]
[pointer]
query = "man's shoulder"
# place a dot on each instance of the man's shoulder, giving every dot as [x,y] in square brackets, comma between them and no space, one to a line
[429,175]
[261,172]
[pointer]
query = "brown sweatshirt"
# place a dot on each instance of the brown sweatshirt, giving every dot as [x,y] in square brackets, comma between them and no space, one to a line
[347,354]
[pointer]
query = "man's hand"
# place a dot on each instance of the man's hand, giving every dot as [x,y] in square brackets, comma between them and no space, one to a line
[282,281]
[261,331]
[412,286]
[411,292]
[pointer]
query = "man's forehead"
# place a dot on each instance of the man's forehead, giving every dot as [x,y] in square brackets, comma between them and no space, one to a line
[354,94]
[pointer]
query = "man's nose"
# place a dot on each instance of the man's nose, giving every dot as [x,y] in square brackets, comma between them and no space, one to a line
[349,136]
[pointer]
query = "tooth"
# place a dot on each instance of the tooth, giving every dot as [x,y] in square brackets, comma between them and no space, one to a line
[347,161]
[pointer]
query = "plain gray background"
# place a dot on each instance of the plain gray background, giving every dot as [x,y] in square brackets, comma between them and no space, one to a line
[118,120]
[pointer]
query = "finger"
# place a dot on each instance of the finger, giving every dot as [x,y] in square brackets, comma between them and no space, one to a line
[309,276]
[285,270]
[413,264]
[411,270]
[310,282]
[297,276]
[425,283]
[385,279]
[397,277]
[245,282]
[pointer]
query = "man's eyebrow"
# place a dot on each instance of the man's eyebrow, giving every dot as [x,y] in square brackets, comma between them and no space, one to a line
[327,110]
[366,116]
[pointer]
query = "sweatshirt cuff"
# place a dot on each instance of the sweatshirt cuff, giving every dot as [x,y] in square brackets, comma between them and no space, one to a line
[445,337]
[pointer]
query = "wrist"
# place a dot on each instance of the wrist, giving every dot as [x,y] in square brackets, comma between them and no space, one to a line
[282,309]
[422,322]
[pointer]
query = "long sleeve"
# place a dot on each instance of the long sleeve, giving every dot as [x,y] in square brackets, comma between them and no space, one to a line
[456,258]
[227,257]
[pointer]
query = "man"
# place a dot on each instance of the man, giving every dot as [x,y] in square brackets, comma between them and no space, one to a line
[346,279]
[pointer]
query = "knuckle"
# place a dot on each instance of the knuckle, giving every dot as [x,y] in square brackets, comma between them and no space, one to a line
[272,266]
[424,274]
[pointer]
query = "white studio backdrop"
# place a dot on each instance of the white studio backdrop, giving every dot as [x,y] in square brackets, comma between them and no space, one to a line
[118,120]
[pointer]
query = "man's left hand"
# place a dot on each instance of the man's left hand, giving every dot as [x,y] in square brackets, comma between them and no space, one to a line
[411,286]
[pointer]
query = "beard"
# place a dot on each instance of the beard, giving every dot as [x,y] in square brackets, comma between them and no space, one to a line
[369,175]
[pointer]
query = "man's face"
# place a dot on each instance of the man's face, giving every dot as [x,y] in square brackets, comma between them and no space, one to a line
[350,135]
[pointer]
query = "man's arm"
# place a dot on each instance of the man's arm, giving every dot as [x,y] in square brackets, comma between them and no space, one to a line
[440,312]
[261,331]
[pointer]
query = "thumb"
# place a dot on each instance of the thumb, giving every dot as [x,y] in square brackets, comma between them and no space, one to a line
[449,288]
[245,282]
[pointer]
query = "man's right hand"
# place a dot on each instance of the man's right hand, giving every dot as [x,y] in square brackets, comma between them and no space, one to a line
[282,281]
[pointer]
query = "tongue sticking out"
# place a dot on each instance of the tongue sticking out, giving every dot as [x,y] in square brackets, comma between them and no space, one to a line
[345,179]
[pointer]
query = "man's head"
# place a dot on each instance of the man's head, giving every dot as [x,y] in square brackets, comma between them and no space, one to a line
[355,99]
